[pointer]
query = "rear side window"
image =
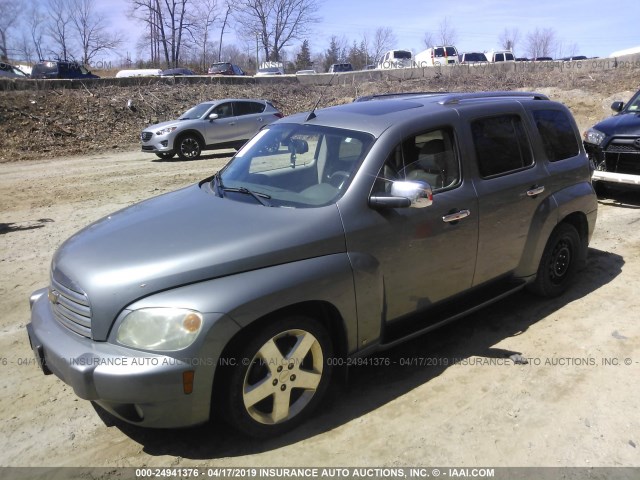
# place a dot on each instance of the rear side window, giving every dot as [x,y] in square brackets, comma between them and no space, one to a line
[501,145]
[556,130]
[247,108]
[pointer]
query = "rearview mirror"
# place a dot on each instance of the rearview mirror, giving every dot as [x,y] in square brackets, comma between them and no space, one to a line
[297,145]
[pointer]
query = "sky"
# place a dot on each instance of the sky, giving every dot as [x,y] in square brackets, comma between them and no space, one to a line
[595,27]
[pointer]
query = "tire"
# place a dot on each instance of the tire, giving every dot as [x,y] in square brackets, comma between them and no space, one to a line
[263,393]
[165,155]
[188,147]
[562,256]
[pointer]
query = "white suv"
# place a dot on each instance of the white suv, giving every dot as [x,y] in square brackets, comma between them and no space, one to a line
[226,123]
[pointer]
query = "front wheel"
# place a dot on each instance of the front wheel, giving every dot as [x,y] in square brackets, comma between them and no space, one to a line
[165,155]
[189,147]
[562,256]
[280,376]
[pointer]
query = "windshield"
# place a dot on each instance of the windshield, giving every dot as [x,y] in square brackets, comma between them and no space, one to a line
[634,104]
[195,112]
[220,67]
[295,165]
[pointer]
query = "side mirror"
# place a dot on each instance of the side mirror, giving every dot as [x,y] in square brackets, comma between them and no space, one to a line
[405,193]
[617,106]
[213,116]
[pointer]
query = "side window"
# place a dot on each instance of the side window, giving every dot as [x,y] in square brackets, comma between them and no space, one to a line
[501,145]
[223,110]
[499,57]
[558,137]
[428,156]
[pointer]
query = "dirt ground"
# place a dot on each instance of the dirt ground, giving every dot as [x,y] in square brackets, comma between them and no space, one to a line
[459,403]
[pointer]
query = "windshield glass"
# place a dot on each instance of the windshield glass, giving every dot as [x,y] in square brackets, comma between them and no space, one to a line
[634,104]
[296,165]
[195,112]
[402,54]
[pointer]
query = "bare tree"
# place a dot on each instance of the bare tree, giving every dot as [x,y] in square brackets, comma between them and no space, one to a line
[541,43]
[58,27]
[36,26]
[509,38]
[91,30]
[276,23]
[204,17]
[11,11]
[427,39]
[447,33]
[225,22]
[383,40]
[168,21]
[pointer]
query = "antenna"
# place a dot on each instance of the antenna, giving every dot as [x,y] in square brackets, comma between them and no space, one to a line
[312,113]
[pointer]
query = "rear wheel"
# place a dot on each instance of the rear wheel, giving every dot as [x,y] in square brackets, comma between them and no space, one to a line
[279,377]
[562,256]
[188,147]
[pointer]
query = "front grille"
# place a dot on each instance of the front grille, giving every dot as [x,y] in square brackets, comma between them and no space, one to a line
[71,308]
[146,136]
[623,156]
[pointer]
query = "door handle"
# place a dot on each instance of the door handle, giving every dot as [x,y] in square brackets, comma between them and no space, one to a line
[260,119]
[232,123]
[454,217]
[534,191]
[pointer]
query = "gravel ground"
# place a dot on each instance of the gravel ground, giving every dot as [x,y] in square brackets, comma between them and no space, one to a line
[459,403]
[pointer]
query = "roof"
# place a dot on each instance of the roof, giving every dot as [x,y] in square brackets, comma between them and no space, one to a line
[375,113]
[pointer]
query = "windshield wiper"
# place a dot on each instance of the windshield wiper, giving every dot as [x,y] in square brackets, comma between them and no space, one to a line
[257,195]
[219,188]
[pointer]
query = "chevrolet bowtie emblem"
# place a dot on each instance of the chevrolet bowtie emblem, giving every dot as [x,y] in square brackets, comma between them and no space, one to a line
[54,297]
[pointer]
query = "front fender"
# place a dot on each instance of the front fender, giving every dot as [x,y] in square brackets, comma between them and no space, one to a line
[249,296]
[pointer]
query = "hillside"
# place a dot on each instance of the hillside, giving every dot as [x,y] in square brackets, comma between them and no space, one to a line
[48,123]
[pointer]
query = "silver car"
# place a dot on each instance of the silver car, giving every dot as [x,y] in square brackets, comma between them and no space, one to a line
[331,235]
[226,123]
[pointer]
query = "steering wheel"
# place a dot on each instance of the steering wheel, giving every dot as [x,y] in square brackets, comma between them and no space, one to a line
[338,178]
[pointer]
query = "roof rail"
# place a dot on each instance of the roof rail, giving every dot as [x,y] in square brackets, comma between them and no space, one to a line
[456,98]
[384,96]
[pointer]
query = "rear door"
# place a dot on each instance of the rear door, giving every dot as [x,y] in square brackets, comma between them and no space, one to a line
[511,186]
[249,118]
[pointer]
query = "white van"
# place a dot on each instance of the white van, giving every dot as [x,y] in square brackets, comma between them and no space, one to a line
[396,59]
[139,72]
[437,56]
[500,56]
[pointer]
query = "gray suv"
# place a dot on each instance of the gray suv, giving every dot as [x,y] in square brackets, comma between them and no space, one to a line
[226,123]
[329,236]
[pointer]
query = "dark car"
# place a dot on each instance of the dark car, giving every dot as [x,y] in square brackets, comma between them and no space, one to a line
[543,59]
[340,67]
[225,68]
[60,69]
[9,71]
[613,145]
[177,72]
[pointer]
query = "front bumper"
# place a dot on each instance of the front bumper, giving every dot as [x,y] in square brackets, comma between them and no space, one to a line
[138,387]
[611,177]
[158,144]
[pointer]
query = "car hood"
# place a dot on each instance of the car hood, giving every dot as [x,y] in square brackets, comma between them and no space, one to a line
[183,237]
[622,124]
[156,126]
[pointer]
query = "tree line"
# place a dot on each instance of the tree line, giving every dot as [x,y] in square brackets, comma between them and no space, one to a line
[192,32]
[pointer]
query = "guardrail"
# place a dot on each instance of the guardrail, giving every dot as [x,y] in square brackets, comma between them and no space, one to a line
[344,78]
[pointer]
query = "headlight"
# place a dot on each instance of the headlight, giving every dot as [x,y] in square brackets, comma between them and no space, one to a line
[165,130]
[165,329]
[594,136]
